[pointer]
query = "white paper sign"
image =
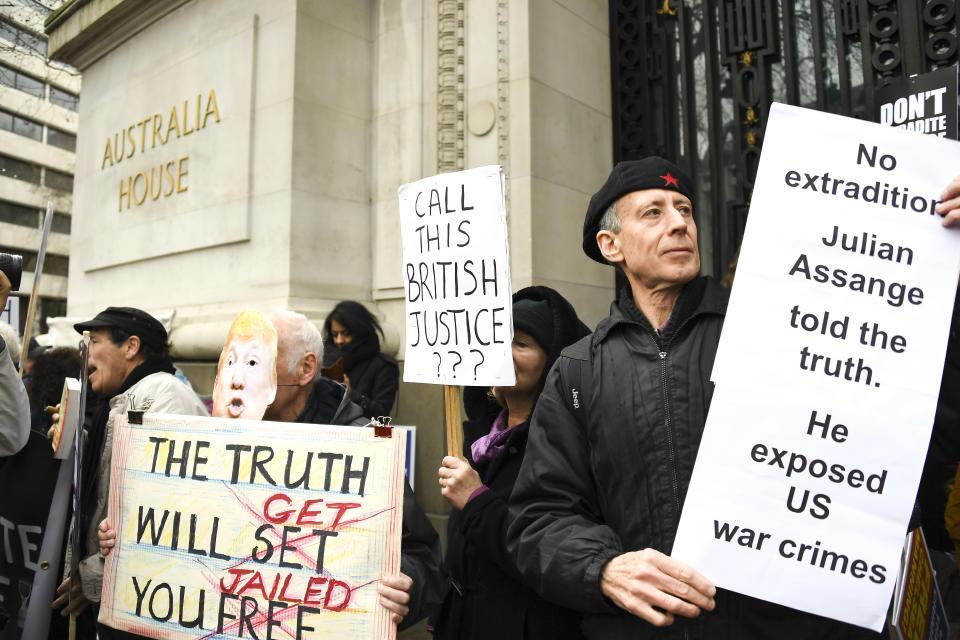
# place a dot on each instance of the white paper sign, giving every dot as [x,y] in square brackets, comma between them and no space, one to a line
[11,313]
[828,368]
[456,276]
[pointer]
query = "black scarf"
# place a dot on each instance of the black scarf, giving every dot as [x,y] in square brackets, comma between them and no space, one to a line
[354,353]
[98,410]
[323,402]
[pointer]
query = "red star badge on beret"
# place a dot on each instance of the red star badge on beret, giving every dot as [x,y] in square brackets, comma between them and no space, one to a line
[669,180]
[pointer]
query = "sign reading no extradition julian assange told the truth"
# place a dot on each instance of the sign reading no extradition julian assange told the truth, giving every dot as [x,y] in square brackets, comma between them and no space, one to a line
[247,529]
[828,369]
[456,276]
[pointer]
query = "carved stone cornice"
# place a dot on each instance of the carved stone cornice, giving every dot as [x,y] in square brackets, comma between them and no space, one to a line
[450,86]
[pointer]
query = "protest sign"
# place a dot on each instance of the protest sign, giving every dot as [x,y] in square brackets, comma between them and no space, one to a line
[11,313]
[828,368]
[456,276]
[918,612]
[926,103]
[236,528]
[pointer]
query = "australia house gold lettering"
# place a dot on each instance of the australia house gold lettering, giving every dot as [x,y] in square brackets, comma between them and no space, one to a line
[163,179]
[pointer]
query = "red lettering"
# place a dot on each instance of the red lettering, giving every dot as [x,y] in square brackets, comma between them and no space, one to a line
[283,591]
[306,513]
[281,516]
[237,574]
[343,508]
[255,582]
[311,591]
[333,584]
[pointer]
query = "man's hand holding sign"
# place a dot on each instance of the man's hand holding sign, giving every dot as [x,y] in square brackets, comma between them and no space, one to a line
[949,208]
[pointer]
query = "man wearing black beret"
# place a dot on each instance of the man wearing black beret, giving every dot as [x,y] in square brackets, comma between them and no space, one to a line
[129,368]
[615,435]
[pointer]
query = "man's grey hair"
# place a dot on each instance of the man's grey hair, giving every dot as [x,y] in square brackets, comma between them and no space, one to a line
[297,336]
[13,342]
[610,220]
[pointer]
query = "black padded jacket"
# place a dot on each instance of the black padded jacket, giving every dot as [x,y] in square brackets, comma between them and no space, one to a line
[607,468]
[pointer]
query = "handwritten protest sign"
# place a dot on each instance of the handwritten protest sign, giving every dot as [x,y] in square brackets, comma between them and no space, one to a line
[459,320]
[237,528]
[828,368]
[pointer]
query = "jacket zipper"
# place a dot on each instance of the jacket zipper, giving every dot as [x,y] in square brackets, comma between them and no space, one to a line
[667,408]
[668,423]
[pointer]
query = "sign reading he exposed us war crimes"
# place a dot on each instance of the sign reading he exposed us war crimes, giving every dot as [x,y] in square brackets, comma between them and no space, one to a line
[828,368]
[926,103]
[456,275]
[235,528]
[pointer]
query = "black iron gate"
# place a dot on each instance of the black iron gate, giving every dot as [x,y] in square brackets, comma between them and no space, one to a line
[693,80]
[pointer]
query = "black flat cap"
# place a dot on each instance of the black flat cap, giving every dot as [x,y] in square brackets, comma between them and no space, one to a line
[652,172]
[133,321]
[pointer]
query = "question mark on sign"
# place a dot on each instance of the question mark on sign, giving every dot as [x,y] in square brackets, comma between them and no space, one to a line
[439,362]
[453,369]
[477,366]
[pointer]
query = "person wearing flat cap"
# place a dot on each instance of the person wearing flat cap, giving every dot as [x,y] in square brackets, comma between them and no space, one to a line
[129,368]
[613,440]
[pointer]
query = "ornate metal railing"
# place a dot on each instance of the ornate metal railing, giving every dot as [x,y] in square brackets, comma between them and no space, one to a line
[694,80]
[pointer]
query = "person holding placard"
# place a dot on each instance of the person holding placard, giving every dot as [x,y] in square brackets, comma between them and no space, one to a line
[485,597]
[303,395]
[615,434]
[350,333]
[130,368]
[14,405]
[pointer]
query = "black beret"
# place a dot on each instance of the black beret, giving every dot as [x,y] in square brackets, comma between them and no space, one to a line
[133,321]
[652,172]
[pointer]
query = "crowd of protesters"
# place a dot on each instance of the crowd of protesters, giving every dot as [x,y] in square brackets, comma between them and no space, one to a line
[566,500]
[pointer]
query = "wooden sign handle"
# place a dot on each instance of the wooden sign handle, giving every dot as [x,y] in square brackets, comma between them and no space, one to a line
[451,404]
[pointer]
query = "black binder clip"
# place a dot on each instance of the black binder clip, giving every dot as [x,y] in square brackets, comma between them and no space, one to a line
[381,427]
[135,417]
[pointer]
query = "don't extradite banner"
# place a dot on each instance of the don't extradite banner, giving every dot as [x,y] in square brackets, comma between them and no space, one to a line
[237,528]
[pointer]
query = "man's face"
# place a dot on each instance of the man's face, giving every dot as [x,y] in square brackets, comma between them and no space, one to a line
[108,364]
[245,382]
[286,381]
[657,243]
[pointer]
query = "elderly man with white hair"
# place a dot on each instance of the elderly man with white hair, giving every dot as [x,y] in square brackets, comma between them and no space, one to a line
[303,395]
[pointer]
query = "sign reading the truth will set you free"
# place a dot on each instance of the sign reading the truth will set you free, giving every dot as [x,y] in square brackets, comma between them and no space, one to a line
[245,529]
[828,369]
[456,276]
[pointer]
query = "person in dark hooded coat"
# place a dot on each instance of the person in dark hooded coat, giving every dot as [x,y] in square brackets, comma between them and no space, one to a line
[485,597]
[351,332]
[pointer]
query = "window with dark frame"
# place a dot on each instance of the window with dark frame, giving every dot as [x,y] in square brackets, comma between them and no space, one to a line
[61,139]
[64,99]
[22,82]
[20,36]
[58,180]
[19,215]
[19,170]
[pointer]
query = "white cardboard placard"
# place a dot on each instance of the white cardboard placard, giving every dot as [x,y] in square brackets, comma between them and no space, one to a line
[456,279]
[826,390]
